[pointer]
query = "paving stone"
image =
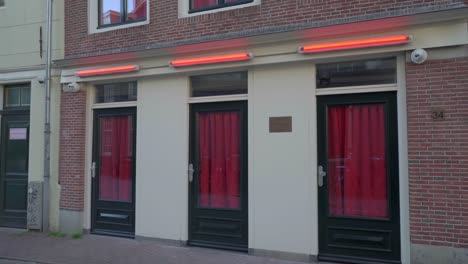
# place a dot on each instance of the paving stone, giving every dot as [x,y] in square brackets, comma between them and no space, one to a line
[90,249]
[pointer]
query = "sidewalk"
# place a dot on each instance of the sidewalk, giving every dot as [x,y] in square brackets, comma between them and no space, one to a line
[39,247]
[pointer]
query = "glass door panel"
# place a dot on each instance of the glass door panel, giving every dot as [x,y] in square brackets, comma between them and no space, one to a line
[219,185]
[116,158]
[357,161]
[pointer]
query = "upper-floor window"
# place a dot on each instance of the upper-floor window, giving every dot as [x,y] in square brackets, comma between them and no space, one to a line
[116,12]
[203,5]
[2,3]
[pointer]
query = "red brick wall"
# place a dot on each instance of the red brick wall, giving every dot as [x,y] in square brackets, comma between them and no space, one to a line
[166,27]
[438,152]
[72,150]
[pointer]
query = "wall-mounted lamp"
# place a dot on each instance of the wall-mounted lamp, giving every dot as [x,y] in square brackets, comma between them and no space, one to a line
[211,59]
[356,44]
[108,70]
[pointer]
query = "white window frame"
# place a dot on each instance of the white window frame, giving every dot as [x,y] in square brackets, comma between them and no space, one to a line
[184,8]
[93,17]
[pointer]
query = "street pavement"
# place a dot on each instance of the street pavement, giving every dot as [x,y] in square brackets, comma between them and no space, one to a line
[10,261]
[39,248]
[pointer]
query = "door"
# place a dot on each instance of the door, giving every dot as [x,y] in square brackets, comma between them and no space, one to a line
[358,178]
[14,170]
[113,172]
[218,175]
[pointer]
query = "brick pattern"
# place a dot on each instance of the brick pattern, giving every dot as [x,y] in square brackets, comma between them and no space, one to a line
[72,151]
[165,26]
[438,152]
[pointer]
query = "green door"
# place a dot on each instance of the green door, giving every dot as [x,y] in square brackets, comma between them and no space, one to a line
[14,170]
[218,212]
[359,213]
[113,182]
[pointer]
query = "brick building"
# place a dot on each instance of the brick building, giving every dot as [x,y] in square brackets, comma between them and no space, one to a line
[300,129]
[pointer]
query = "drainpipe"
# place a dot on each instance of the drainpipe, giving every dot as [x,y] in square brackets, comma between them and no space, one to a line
[46,187]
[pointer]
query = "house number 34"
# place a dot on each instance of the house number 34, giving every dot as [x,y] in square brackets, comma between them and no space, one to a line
[437,115]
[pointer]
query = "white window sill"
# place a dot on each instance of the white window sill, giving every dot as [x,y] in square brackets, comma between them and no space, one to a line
[184,8]
[110,28]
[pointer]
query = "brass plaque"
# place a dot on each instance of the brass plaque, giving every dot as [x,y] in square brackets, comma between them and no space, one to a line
[280,124]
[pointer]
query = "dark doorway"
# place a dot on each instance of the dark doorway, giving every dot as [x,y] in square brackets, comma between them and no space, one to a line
[218,175]
[113,172]
[358,178]
[14,168]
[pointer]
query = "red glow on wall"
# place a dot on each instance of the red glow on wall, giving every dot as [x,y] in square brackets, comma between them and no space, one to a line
[211,59]
[109,70]
[356,44]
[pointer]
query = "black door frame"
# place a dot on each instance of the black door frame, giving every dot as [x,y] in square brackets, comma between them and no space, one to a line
[126,230]
[354,224]
[193,159]
[21,112]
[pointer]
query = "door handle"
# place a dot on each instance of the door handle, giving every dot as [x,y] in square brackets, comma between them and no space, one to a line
[93,169]
[190,172]
[321,174]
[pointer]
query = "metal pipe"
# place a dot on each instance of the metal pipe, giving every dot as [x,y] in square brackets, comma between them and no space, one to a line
[46,187]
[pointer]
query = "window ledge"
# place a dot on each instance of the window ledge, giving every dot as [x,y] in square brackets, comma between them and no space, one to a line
[184,8]
[121,26]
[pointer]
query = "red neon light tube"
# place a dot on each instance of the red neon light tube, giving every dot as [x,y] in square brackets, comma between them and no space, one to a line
[356,44]
[211,59]
[110,70]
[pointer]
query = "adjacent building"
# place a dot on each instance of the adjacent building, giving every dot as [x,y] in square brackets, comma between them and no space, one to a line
[300,129]
[22,111]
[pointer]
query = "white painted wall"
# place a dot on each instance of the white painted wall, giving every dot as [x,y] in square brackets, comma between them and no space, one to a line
[162,158]
[20,21]
[36,132]
[281,191]
[282,202]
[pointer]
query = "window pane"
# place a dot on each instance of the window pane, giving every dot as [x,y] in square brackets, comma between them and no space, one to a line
[12,96]
[219,159]
[2,3]
[219,84]
[16,152]
[116,92]
[111,11]
[368,72]
[196,4]
[25,96]
[116,158]
[136,9]
[357,161]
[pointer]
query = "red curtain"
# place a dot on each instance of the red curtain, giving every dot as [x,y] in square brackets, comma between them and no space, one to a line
[204,3]
[116,154]
[357,161]
[219,159]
